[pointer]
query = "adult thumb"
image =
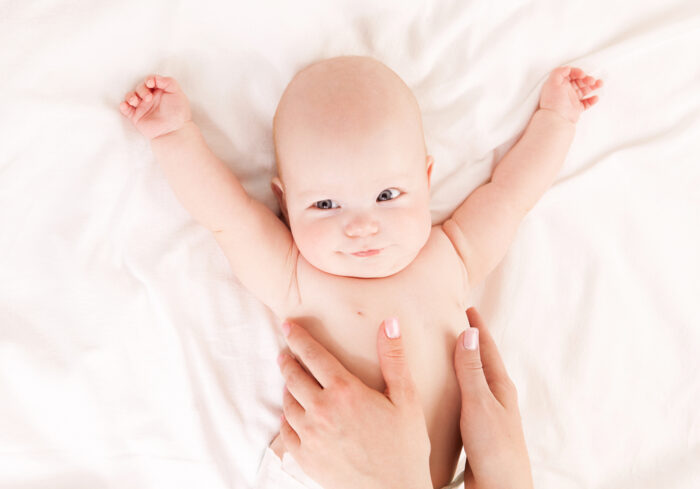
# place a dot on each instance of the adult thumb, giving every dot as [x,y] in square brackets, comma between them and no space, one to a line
[468,366]
[400,387]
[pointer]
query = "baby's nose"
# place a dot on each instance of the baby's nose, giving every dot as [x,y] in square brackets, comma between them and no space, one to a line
[360,226]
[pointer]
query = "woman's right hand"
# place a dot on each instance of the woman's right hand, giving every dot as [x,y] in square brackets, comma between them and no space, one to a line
[157,106]
[490,423]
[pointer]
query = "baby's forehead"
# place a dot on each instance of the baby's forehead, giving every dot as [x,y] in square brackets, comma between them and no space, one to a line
[344,175]
[341,106]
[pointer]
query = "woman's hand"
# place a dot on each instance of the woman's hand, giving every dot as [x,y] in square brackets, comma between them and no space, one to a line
[564,90]
[157,106]
[345,434]
[491,427]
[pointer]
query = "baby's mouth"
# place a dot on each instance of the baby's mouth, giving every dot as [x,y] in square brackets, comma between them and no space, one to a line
[367,252]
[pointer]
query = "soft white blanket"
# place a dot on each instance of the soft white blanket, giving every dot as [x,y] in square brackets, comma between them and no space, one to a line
[131,357]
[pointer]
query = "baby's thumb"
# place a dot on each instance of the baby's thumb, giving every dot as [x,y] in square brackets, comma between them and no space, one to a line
[392,360]
[468,366]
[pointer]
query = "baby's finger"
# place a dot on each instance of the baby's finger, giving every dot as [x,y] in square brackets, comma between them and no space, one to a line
[132,99]
[583,89]
[166,83]
[150,81]
[588,102]
[144,92]
[126,109]
[560,74]
[576,73]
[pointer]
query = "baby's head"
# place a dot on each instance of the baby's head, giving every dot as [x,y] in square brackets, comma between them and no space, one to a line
[353,170]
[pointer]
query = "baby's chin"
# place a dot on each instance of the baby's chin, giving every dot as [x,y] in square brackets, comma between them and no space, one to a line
[384,264]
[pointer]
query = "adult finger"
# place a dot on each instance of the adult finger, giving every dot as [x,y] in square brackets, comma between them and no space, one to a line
[320,363]
[400,387]
[303,387]
[289,436]
[494,369]
[468,366]
[293,411]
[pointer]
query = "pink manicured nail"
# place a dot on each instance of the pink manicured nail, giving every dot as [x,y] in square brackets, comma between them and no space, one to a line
[285,328]
[391,328]
[470,340]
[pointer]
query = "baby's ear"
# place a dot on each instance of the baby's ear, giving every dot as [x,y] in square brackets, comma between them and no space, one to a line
[429,161]
[278,189]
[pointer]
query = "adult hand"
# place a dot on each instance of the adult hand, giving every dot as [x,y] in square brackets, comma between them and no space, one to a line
[345,434]
[490,423]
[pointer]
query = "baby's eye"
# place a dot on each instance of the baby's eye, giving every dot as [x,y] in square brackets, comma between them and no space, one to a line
[326,204]
[388,194]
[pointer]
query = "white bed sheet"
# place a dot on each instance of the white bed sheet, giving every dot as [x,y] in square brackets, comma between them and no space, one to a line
[131,357]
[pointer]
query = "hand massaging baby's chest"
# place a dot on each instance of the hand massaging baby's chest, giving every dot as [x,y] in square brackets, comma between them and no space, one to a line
[429,299]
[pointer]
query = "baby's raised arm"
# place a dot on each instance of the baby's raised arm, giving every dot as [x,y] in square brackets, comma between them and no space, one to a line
[484,225]
[258,245]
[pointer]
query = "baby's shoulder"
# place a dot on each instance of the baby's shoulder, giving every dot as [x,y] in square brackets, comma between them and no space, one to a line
[440,258]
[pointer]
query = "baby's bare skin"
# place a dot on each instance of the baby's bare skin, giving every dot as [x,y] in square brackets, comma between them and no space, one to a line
[358,149]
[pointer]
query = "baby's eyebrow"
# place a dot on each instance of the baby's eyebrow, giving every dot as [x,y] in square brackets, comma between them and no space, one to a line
[394,181]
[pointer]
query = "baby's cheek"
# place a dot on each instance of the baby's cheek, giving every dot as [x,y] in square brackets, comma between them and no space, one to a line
[313,240]
[412,227]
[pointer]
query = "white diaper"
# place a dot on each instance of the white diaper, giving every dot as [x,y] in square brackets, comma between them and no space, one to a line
[274,473]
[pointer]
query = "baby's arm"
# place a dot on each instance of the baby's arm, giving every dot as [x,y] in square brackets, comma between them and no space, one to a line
[484,225]
[258,245]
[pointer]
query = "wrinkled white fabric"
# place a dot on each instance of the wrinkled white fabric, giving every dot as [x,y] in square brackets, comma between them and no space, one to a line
[131,357]
[288,474]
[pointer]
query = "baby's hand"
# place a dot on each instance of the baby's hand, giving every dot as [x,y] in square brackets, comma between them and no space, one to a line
[157,106]
[564,90]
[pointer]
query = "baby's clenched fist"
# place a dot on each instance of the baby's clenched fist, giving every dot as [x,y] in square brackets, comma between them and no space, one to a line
[564,92]
[157,106]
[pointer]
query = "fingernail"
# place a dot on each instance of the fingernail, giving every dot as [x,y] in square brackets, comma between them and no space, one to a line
[285,328]
[391,328]
[470,340]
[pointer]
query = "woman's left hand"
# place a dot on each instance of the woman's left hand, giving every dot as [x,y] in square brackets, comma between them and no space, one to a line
[345,434]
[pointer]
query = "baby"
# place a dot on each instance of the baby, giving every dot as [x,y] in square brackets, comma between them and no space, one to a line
[357,244]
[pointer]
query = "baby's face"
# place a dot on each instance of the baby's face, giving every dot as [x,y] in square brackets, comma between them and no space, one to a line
[354,173]
[363,213]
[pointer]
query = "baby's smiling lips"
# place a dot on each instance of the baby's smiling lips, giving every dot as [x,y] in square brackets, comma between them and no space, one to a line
[367,252]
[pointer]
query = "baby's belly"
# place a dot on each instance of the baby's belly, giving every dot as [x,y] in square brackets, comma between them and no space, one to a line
[429,328]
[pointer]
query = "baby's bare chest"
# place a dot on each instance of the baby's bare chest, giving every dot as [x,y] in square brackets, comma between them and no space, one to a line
[428,298]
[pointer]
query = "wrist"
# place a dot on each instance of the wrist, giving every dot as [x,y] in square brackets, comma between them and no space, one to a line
[554,115]
[186,126]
